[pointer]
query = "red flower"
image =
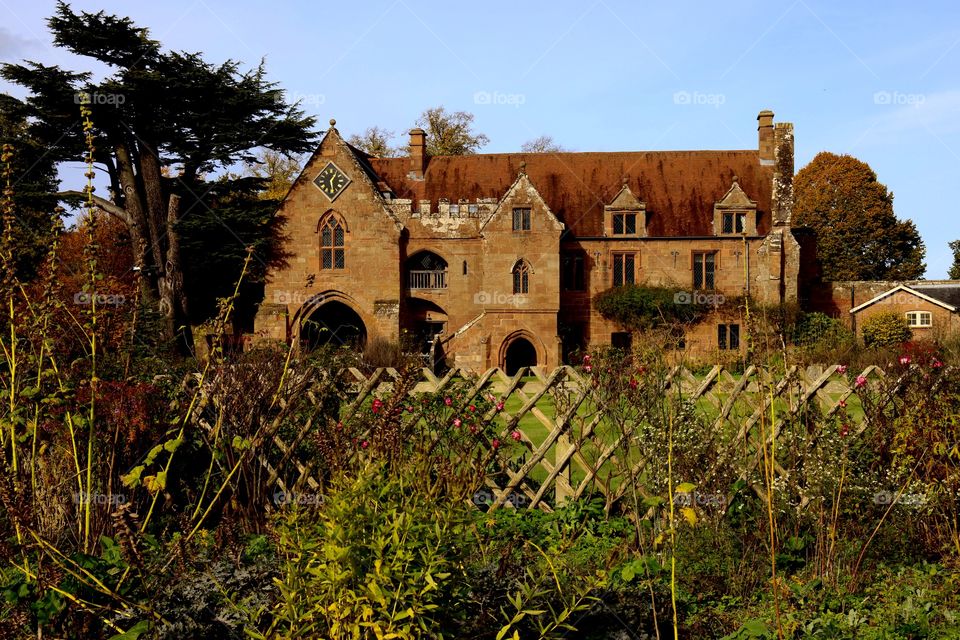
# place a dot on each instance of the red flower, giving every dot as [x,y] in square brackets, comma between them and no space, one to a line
[633,383]
[841,369]
[588,368]
[457,422]
[447,401]
[472,408]
[377,404]
[936,364]
[861,380]
[516,435]
[364,444]
[500,406]
[844,430]
[843,404]
[904,360]
[495,444]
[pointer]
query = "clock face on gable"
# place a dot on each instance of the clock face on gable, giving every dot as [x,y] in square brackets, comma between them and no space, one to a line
[331,181]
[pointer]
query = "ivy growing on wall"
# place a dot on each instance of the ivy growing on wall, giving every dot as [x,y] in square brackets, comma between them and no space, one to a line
[642,307]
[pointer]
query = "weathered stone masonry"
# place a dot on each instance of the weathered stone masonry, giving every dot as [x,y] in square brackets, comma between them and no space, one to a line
[495,258]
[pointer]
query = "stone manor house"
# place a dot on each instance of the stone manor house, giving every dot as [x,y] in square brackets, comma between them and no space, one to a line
[493,259]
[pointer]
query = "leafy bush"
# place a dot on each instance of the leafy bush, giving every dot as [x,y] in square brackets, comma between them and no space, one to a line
[644,307]
[886,329]
[379,559]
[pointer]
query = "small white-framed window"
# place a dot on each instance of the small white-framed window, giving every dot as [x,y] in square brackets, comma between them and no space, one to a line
[919,319]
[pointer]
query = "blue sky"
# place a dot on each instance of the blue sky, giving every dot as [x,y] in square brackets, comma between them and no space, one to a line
[878,80]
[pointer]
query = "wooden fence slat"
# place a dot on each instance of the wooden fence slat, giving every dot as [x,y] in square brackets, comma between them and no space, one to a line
[740,404]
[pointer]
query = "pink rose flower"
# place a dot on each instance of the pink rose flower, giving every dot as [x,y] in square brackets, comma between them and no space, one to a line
[472,408]
[904,360]
[516,435]
[588,368]
[495,444]
[364,444]
[457,422]
[448,401]
[861,380]
[500,406]
[842,369]
[936,364]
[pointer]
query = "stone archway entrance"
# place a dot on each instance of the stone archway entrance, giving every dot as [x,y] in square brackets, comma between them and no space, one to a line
[333,323]
[519,353]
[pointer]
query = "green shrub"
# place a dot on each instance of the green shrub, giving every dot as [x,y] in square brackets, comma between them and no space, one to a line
[886,329]
[643,307]
[382,558]
[377,560]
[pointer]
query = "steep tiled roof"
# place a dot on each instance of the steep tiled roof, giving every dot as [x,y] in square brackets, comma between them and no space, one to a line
[679,188]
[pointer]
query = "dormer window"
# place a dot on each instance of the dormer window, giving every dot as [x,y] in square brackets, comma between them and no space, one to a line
[734,221]
[626,216]
[735,213]
[624,224]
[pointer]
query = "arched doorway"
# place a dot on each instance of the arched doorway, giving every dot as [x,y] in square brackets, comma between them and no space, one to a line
[333,323]
[425,321]
[520,353]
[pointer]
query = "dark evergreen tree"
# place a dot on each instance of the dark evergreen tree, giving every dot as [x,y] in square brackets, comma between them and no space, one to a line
[33,186]
[169,125]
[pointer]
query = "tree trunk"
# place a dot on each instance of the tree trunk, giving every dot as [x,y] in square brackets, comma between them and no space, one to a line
[172,280]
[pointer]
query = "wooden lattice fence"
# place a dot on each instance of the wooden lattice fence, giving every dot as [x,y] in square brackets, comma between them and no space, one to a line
[573,448]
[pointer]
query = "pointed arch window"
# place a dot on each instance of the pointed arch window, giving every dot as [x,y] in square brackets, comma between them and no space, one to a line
[521,277]
[332,243]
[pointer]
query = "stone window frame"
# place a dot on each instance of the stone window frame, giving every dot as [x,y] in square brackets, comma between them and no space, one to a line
[625,216]
[625,203]
[333,248]
[728,336]
[918,314]
[522,219]
[622,255]
[735,203]
[521,277]
[736,219]
[693,267]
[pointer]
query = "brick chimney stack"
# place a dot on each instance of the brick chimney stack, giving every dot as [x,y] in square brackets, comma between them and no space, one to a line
[765,136]
[418,153]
